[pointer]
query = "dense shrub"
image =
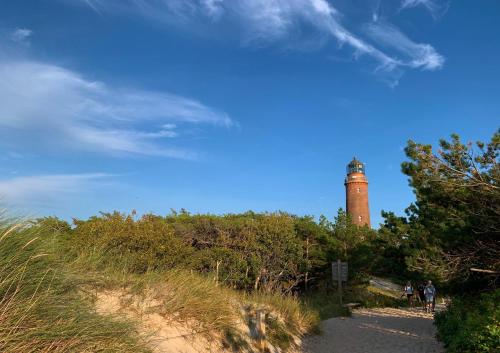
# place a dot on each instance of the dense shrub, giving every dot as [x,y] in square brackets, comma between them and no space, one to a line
[137,245]
[471,324]
[265,251]
[270,251]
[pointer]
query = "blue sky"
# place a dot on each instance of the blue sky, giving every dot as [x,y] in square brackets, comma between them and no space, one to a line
[229,105]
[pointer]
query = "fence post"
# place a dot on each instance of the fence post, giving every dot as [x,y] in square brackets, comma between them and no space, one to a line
[261,331]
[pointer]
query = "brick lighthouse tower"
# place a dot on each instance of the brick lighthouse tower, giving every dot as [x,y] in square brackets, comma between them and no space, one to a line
[356,190]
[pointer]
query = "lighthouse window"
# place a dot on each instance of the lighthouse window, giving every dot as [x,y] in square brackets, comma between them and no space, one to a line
[360,218]
[359,190]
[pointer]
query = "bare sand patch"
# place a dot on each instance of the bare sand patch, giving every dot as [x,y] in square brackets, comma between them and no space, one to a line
[384,330]
[160,333]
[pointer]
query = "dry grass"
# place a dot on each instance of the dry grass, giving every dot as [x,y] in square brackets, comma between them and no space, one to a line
[40,310]
[192,298]
[217,312]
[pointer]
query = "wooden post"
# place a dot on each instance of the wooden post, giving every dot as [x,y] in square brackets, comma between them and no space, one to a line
[339,280]
[261,331]
[307,263]
[217,272]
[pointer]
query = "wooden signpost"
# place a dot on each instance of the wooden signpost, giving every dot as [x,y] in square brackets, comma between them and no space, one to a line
[340,271]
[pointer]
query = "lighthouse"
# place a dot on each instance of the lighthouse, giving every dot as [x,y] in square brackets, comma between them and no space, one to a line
[356,189]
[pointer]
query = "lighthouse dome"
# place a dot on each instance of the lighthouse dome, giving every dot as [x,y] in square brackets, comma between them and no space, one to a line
[355,166]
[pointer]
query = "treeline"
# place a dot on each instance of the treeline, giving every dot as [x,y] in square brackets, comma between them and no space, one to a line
[274,252]
[265,251]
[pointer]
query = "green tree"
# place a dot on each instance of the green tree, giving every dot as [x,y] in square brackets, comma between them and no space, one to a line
[456,217]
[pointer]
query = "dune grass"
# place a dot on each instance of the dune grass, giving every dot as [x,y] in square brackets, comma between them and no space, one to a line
[41,309]
[215,311]
[191,297]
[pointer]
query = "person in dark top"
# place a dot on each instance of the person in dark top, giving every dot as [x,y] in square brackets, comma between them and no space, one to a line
[434,300]
[421,294]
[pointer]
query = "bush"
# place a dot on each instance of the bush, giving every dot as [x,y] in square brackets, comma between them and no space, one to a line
[272,252]
[246,251]
[471,324]
[136,245]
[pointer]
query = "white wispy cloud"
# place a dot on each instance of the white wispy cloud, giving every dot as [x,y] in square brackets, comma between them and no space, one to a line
[433,6]
[20,35]
[59,107]
[90,3]
[277,20]
[46,189]
[411,54]
[213,7]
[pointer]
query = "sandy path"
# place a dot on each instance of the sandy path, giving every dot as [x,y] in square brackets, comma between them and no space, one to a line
[384,330]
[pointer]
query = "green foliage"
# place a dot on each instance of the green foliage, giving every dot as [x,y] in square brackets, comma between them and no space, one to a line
[244,251]
[135,245]
[454,224]
[269,251]
[392,246]
[350,243]
[471,324]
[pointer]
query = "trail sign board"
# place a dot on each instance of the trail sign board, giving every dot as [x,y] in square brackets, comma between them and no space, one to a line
[339,274]
[339,269]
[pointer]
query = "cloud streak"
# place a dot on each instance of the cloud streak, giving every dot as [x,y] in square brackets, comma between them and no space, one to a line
[414,55]
[278,20]
[434,8]
[56,106]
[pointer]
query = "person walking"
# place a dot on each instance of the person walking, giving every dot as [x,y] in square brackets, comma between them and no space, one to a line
[430,296]
[421,295]
[434,299]
[408,290]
